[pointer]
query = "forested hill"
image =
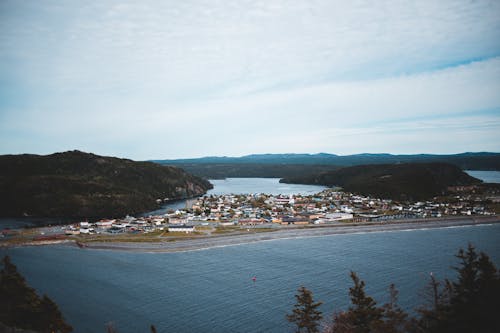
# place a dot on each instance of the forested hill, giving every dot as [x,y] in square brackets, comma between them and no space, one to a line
[295,165]
[78,184]
[465,161]
[409,181]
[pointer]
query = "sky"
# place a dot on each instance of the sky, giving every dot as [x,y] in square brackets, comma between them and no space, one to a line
[178,79]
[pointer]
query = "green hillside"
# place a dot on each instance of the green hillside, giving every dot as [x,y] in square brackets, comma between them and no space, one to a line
[77,184]
[466,161]
[410,181]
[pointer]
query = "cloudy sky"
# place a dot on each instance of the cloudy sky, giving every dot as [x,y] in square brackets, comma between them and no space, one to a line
[172,79]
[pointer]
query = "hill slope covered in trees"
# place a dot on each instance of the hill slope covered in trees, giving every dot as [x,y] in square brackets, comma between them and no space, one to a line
[409,181]
[293,165]
[77,184]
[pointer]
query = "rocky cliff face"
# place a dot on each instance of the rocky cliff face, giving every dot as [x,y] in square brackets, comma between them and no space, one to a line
[77,184]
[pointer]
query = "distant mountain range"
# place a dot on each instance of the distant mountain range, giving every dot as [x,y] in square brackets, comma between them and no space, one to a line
[289,165]
[407,181]
[477,161]
[78,184]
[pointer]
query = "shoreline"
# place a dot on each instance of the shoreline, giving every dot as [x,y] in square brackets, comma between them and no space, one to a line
[210,242]
[198,243]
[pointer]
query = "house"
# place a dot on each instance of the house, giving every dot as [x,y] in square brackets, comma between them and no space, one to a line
[177,220]
[299,220]
[105,223]
[251,221]
[338,216]
[181,228]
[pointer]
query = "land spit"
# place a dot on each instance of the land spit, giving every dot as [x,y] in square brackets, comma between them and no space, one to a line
[214,241]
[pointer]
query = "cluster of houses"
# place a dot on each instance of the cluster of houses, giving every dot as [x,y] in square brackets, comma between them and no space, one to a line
[129,224]
[326,207]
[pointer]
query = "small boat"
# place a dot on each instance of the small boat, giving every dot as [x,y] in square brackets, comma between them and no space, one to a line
[254,279]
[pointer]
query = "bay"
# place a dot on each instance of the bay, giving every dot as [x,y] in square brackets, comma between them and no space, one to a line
[485,176]
[260,185]
[243,186]
[212,290]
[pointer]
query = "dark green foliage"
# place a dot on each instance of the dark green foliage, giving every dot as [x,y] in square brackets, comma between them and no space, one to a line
[466,161]
[363,315]
[299,165]
[471,303]
[416,181]
[394,319]
[364,310]
[77,184]
[21,307]
[251,170]
[305,313]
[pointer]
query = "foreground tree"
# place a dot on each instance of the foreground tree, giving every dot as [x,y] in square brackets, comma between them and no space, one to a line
[471,303]
[362,315]
[394,319]
[305,313]
[21,307]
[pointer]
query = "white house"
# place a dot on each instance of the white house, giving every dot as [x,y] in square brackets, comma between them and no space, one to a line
[181,228]
[105,223]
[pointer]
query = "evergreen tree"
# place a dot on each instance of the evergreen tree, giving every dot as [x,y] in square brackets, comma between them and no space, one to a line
[471,303]
[395,320]
[364,311]
[21,307]
[18,302]
[305,313]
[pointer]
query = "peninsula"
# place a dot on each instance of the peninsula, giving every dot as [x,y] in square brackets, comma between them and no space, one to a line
[407,181]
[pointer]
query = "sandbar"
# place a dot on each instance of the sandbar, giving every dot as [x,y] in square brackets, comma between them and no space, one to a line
[208,242]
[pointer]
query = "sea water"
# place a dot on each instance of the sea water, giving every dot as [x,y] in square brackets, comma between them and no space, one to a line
[243,186]
[212,290]
[260,185]
[485,176]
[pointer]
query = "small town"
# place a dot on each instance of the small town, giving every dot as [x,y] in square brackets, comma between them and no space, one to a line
[216,213]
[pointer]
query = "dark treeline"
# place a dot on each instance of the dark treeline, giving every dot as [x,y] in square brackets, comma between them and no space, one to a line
[408,181]
[300,165]
[465,161]
[83,185]
[21,307]
[469,304]
[251,170]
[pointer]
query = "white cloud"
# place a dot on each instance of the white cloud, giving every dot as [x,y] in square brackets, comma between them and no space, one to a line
[99,73]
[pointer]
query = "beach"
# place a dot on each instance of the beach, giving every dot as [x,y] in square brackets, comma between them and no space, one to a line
[207,242]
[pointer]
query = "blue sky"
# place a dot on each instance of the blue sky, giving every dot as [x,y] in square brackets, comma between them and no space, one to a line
[174,79]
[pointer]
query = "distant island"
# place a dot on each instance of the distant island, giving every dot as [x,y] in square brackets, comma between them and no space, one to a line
[408,181]
[83,185]
[296,165]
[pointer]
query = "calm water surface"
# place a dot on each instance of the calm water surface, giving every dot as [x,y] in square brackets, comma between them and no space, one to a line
[485,176]
[244,186]
[212,290]
[260,185]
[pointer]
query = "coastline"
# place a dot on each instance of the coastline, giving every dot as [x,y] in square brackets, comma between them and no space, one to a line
[209,242]
[198,243]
